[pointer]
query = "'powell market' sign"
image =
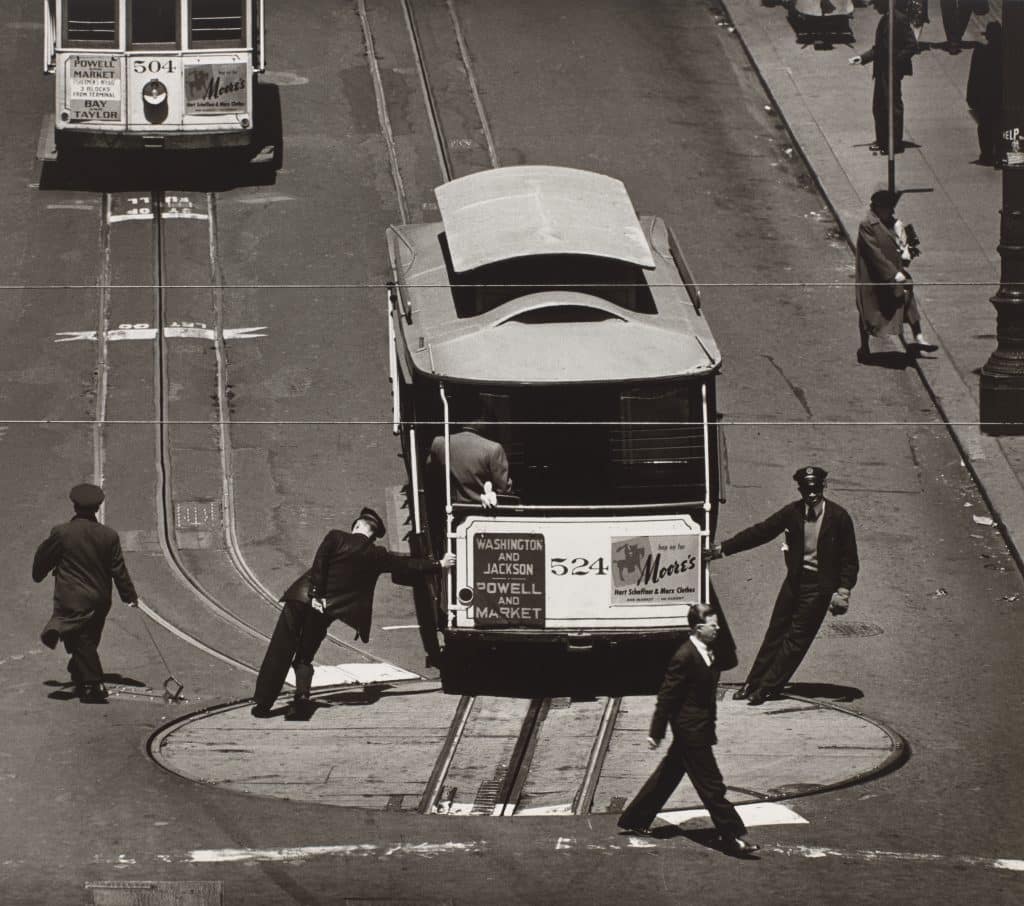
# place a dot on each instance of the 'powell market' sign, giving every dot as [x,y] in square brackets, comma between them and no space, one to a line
[508,579]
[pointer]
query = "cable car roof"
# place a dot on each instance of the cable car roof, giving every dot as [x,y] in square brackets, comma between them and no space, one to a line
[556,336]
[511,212]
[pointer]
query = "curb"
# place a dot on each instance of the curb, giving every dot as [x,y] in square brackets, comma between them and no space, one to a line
[954,399]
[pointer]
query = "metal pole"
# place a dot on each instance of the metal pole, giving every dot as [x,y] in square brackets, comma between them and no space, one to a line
[890,63]
[1002,376]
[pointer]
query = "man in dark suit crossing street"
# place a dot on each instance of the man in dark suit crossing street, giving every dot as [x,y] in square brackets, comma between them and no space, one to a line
[85,559]
[687,700]
[821,570]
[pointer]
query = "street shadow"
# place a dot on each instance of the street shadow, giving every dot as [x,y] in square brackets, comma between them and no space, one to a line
[894,361]
[211,171]
[64,690]
[363,695]
[845,694]
[704,836]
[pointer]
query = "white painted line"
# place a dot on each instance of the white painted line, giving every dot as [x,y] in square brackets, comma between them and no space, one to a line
[298,853]
[354,674]
[403,626]
[755,814]
[880,855]
[173,331]
[71,207]
[531,811]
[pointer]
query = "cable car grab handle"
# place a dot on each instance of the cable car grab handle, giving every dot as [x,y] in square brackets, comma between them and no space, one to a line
[414,471]
[393,361]
[448,518]
[707,453]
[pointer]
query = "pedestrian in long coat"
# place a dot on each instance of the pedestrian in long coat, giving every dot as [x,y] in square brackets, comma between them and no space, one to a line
[885,296]
[821,570]
[85,559]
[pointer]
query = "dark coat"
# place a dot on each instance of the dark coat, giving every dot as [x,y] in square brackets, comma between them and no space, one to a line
[85,558]
[881,306]
[687,699]
[837,544]
[904,47]
[985,79]
[345,572]
[474,460]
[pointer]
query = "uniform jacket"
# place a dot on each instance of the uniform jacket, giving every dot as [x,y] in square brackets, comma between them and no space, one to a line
[345,572]
[687,699]
[837,544]
[474,460]
[878,261]
[85,558]
[904,46]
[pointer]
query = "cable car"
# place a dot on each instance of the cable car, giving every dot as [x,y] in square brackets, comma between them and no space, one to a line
[152,74]
[543,312]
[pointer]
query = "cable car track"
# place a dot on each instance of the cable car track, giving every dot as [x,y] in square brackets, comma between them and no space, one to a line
[504,779]
[164,457]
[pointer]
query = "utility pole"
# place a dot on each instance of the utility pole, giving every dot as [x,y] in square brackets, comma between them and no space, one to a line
[1002,376]
[891,64]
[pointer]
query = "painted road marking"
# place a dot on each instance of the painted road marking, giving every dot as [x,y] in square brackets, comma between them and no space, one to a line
[355,674]
[402,626]
[294,853]
[879,855]
[179,330]
[123,207]
[754,814]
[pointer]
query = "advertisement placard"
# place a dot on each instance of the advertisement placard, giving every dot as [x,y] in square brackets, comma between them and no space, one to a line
[508,579]
[650,568]
[93,88]
[215,88]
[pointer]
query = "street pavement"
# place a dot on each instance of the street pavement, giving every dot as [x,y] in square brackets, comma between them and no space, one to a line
[952,202]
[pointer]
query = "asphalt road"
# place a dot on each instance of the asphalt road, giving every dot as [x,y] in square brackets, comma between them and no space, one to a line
[656,94]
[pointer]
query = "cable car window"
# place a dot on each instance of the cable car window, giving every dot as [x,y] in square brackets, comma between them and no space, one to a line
[91,23]
[154,22]
[217,23]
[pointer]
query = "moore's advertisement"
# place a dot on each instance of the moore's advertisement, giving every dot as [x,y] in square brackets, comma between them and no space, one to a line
[655,567]
[215,88]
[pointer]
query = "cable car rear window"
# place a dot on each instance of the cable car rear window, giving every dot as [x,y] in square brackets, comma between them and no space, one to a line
[91,23]
[485,288]
[217,23]
[154,22]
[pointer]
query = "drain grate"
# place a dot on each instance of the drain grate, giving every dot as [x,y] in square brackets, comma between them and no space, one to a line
[196,515]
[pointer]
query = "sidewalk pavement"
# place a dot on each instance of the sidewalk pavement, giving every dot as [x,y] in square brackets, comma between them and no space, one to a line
[826,104]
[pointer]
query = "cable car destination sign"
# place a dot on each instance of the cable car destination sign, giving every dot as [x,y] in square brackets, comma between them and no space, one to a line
[527,573]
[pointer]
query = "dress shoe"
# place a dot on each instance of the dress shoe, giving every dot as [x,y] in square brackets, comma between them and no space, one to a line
[741,694]
[261,711]
[925,346]
[636,831]
[738,846]
[757,697]
[93,694]
[300,708]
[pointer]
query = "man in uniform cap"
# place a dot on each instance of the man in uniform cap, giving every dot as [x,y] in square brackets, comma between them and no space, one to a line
[821,569]
[85,559]
[339,586]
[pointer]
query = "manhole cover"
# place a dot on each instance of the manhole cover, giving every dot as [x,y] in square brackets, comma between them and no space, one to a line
[851,628]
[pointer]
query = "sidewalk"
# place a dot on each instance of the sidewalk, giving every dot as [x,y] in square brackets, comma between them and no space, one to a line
[826,104]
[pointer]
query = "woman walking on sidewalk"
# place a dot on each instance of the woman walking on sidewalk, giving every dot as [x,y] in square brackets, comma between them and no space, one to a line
[885,292]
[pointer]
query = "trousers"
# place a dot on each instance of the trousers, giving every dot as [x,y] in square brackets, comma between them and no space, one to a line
[880,109]
[795,621]
[82,644]
[280,653]
[681,759]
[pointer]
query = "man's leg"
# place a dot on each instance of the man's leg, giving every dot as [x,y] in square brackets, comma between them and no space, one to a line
[778,627]
[707,781]
[897,112]
[85,667]
[280,651]
[808,615]
[880,111]
[653,795]
[314,630]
